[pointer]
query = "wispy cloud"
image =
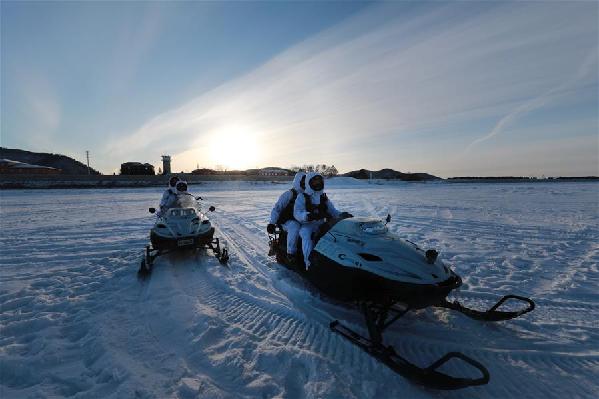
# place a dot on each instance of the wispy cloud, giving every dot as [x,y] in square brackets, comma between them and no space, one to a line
[388,73]
[134,42]
[588,66]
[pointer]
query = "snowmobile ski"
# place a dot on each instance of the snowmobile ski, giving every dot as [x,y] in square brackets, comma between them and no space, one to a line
[426,376]
[492,314]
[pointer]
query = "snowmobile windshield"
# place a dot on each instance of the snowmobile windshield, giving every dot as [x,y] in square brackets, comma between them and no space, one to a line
[184,201]
[373,228]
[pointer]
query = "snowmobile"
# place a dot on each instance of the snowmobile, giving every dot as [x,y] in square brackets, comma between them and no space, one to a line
[358,260]
[181,227]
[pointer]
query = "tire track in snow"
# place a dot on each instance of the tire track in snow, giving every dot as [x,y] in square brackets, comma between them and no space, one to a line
[270,325]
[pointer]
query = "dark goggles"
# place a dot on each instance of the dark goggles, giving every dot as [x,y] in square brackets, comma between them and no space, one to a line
[181,186]
[317,183]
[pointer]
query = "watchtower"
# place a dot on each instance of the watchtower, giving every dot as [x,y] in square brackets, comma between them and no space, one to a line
[166,164]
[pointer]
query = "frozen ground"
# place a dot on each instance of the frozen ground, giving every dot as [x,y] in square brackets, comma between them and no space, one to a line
[76,322]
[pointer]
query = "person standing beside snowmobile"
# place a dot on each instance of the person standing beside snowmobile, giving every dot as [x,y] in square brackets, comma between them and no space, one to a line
[282,214]
[311,209]
[169,195]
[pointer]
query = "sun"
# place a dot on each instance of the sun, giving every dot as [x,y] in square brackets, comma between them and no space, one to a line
[234,148]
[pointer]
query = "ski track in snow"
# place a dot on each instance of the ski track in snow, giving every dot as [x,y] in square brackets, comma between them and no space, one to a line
[76,322]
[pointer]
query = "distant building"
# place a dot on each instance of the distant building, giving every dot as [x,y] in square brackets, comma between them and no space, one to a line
[10,167]
[166,164]
[273,172]
[203,171]
[137,168]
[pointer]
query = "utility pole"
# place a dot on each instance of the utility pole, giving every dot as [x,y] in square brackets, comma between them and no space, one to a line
[87,156]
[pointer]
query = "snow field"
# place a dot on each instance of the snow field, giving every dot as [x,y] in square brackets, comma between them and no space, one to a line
[76,322]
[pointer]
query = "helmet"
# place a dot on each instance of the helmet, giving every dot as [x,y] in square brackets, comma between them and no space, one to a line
[181,186]
[316,183]
[172,182]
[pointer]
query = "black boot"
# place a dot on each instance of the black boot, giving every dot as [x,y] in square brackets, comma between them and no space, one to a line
[292,260]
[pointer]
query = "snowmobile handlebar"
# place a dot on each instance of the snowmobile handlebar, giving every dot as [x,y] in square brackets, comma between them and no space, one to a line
[210,209]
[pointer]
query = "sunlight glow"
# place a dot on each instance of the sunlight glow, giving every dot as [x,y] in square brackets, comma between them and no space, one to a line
[234,148]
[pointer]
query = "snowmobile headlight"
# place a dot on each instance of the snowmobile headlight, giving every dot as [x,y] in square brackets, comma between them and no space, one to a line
[370,257]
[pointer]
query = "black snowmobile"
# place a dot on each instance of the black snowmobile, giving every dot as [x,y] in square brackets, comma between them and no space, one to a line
[182,227]
[358,260]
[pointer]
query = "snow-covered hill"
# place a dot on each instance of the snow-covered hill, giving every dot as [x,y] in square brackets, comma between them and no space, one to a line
[76,322]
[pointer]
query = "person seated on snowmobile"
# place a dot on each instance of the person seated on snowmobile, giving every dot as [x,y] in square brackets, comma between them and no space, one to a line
[180,199]
[311,209]
[168,196]
[181,189]
[282,215]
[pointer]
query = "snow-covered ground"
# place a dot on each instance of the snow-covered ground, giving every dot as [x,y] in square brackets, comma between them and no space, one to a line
[76,322]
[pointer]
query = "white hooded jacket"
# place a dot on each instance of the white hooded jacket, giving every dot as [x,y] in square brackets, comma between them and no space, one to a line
[299,211]
[168,197]
[169,193]
[287,196]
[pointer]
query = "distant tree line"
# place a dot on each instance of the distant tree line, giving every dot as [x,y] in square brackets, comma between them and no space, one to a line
[323,169]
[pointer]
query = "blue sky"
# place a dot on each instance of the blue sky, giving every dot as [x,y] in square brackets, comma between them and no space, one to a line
[457,88]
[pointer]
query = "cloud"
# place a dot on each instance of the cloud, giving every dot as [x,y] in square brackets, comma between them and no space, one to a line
[387,73]
[588,65]
[135,41]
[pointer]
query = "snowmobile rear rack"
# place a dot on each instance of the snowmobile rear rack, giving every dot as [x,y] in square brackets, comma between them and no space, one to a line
[492,314]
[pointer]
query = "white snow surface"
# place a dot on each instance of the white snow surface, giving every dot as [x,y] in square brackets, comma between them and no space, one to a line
[76,322]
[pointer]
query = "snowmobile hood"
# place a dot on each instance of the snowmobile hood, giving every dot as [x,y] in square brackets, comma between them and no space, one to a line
[309,190]
[367,244]
[296,182]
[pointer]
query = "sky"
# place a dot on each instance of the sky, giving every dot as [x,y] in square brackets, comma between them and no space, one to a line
[448,88]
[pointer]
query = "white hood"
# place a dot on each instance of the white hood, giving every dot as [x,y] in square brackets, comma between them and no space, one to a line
[296,182]
[180,192]
[173,187]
